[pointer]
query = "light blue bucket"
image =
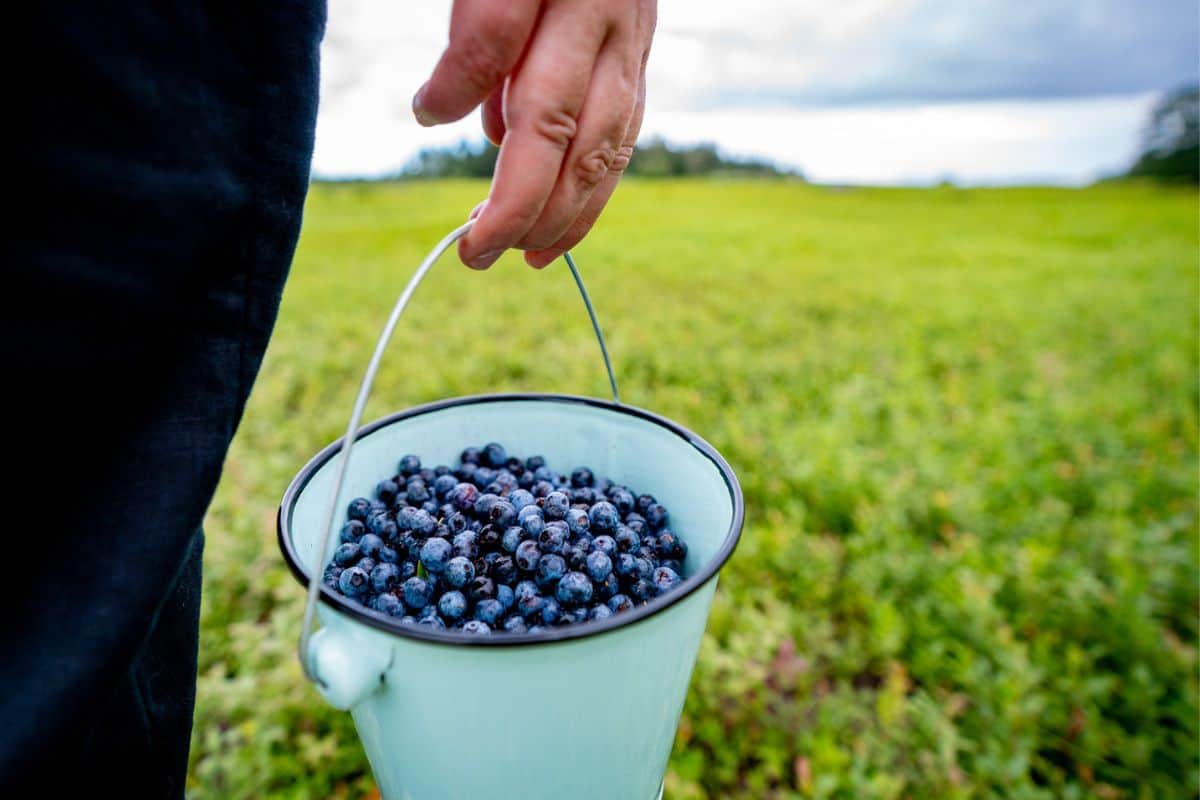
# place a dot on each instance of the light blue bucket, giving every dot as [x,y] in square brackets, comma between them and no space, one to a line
[582,711]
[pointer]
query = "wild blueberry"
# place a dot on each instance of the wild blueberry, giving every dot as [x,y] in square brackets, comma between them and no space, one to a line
[466,544]
[483,504]
[494,455]
[506,596]
[577,556]
[389,604]
[459,572]
[366,565]
[577,521]
[551,539]
[481,589]
[470,455]
[625,565]
[574,589]
[529,605]
[671,563]
[352,531]
[550,569]
[466,472]
[502,514]
[665,579]
[358,508]
[619,603]
[647,552]
[599,611]
[599,565]
[410,465]
[571,616]
[641,590]
[520,499]
[606,545]
[407,570]
[582,476]
[504,569]
[489,611]
[452,605]
[603,517]
[656,516]
[525,480]
[512,537]
[483,477]
[551,611]
[417,492]
[489,538]
[389,555]
[434,622]
[354,582]
[463,497]
[347,554]
[535,629]
[377,522]
[456,521]
[387,491]
[608,587]
[636,523]
[541,488]
[626,539]
[476,628]
[531,520]
[622,499]
[442,485]
[434,554]
[527,555]
[370,544]
[585,496]
[416,594]
[644,569]
[671,546]
[332,573]
[513,624]
[385,577]
[555,506]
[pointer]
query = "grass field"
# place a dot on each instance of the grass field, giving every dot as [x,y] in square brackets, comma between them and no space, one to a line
[965,422]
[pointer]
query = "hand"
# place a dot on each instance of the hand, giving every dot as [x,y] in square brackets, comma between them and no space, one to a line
[563,85]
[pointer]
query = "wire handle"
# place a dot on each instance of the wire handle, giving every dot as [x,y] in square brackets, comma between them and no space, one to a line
[364,391]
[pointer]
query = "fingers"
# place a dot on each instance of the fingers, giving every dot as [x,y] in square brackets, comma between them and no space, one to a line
[493,116]
[607,110]
[487,38]
[542,106]
[584,221]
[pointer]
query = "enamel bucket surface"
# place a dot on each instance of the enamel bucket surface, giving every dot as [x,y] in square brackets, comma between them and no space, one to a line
[586,711]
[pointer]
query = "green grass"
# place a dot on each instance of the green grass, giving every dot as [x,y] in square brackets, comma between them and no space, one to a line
[965,423]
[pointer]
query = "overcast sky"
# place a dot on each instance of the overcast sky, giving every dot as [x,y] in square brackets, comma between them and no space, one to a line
[861,91]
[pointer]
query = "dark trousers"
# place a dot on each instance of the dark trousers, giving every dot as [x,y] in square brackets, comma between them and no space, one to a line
[159,168]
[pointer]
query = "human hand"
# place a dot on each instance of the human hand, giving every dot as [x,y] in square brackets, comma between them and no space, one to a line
[563,86]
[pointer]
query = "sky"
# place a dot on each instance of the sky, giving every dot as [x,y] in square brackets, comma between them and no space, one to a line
[862,91]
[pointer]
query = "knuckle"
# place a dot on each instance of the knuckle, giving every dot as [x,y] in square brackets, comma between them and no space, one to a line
[557,126]
[591,167]
[621,159]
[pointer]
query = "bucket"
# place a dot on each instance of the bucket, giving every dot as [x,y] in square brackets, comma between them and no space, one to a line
[579,711]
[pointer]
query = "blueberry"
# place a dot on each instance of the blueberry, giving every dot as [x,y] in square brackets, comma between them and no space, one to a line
[671,563]
[367,564]
[582,476]
[603,517]
[434,622]
[626,539]
[371,545]
[572,616]
[470,455]
[641,590]
[387,491]
[541,488]
[481,588]
[387,530]
[459,572]
[671,546]
[551,611]
[550,569]
[389,604]
[442,485]
[354,582]
[608,587]
[407,570]
[417,492]
[530,605]
[577,555]
[408,520]
[525,480]
[483,476]
[352,531]
[434,554]
[347,554]
[389,555]
[599,611]
[656,516]
[606,545]
[494,455]
[555,506]
[332,573]
[452,606]
[647,552]
[527,555]
[377,522]
[544,473]
[489,611]
[535,629]
[599,565]
[489,538]
[476,628]
[636,523]
[385,577]
[577,521]
[585,496]
[622,499]
[416,593]
[502,514]
[531,520]
[512,537]
[534,462]
[408,619]
[506,596]
[644,568]
[466,472]
[463,497]
[513,624]
[456,521]
[504,569]
[466,545]
[358,508]
[410,465]
[665,579]
[574,589]
[551,539]
[619,603]
[625,565]
[483,504]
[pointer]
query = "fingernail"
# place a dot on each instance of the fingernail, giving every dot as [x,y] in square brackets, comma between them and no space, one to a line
[424,118]
[485,260]
[477,210]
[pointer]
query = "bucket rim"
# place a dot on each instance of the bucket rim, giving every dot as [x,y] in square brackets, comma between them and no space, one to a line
[565,633]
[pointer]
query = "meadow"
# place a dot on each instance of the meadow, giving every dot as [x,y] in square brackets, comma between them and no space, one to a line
[965,422]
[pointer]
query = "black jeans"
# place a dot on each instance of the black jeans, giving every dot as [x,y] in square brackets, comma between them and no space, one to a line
[159,173]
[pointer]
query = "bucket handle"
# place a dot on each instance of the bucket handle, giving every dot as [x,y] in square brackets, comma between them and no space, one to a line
[364,391]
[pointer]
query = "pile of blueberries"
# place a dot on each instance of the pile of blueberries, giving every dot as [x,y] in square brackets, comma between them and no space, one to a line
[505,545]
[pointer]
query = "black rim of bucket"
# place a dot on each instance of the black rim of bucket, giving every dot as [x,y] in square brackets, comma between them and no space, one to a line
[559,634]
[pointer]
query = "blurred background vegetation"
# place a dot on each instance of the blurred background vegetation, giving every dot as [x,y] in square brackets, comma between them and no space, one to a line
[965,421]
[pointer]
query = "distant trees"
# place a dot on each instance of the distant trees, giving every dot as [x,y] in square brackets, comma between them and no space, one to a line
[1171,139]
[652,159]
